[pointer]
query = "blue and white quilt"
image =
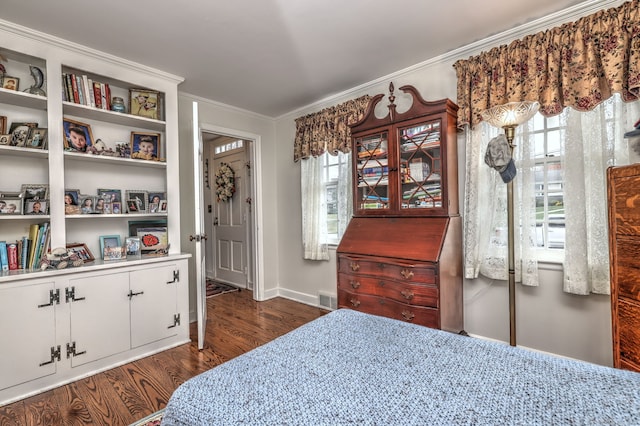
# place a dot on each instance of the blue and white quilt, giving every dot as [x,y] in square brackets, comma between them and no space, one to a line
[349,368]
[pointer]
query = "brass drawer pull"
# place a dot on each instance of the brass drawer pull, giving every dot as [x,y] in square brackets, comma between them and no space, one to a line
[354,284]
[355,302]
[406,273]
[408,316]
[354,266]
[407,294]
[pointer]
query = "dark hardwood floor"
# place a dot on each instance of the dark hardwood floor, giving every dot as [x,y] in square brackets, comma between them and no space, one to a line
[122,395]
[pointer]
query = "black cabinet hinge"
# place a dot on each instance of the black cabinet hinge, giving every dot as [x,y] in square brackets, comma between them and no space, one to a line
[176,277]
[55,356]
[54,296]
[70,295]
[71,350]
[176,321]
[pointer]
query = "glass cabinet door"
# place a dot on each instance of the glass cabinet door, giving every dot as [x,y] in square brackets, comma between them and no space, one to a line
[372,167]
[420,166]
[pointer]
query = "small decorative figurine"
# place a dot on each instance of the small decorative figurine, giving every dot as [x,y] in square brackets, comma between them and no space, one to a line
[38,81]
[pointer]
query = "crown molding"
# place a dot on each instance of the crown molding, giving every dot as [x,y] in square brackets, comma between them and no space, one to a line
[29,33]
[224,106]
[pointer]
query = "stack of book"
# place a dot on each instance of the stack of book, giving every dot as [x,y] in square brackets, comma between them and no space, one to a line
[26,252]
[81,89]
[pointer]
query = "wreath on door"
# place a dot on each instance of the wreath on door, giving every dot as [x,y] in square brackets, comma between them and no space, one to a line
[225,182]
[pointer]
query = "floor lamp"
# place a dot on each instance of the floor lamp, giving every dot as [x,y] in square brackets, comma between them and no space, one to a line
[508,117]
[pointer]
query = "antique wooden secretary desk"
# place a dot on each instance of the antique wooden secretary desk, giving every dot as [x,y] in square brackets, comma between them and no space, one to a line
[401,256]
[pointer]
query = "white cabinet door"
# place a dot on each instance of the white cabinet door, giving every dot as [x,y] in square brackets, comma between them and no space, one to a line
[99,311]
[27,330]
[154,307]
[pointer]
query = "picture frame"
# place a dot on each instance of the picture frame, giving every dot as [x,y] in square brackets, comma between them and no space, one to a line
[37,138]
[21,132]
[153,238]
[34,190]
[5,139]
[71,201]
[144,103]
[36,206]
[82,250]
[11,206]
[87,204]
[73,133]
[156,197]
[134,225]
[113,195]
[145,146]
[132,247]
[110,246]
[163,207]
[116,208]
[10,83]
[3,124]
[140,198]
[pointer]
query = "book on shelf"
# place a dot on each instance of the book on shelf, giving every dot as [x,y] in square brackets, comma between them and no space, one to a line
[12,255]
[373,162]
[4,258]
[25,252]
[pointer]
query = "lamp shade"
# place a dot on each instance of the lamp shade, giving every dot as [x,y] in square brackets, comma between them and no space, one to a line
[510,114]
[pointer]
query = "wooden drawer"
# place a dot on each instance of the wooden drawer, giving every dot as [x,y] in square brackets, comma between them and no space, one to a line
[629,332]
[628,267]
[411,293]
[388,268]
[376,305]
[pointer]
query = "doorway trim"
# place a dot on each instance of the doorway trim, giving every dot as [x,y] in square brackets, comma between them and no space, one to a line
[255,148]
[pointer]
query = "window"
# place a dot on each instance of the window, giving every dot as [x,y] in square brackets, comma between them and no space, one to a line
[549,187]
[332,164]
[228,146]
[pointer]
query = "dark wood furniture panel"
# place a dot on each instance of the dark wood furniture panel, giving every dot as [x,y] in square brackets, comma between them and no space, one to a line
[624,249]
[401,255]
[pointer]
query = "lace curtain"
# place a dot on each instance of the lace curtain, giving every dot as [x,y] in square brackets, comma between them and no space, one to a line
[594,141]
[323,133]
[578,64]
[485,210]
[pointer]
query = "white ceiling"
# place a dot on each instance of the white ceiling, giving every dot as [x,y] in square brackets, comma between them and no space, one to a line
[274,56]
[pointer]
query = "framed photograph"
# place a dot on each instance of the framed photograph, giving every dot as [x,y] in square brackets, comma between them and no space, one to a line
[109,245]
[37,138]
[153,238]
[3,124]
[107,208]
[71,201]
[21,132]
[5,139]
[132,246]
[36,206]
[116,208]
[87,204]
[135,225]
[144,103]
[145,146]
[82,250]
[37,191]
[10,205]
[111,195]
[139,199]
[77,135]
[10,83]
[155,197]
[163,206]
[99,207]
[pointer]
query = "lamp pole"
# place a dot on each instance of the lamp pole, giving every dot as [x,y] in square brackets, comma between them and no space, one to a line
[509,133]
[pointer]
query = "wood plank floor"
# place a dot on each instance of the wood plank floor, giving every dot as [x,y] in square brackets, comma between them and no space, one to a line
[120,396]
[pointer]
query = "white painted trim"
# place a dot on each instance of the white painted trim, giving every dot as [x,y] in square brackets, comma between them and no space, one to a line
[226,106]
[85,51]
[256,182]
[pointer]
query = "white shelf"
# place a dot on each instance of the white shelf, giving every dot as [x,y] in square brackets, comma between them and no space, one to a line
[23,99]
[109,216]
[77,156]
[123,119]
[23,152]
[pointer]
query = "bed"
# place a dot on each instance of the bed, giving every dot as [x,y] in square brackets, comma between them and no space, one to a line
[349,367]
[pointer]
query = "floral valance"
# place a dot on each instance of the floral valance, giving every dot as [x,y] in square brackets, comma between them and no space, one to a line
[328,130]
[578,64]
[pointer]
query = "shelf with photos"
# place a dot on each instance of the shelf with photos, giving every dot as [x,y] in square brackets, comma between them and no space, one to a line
[112,203]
